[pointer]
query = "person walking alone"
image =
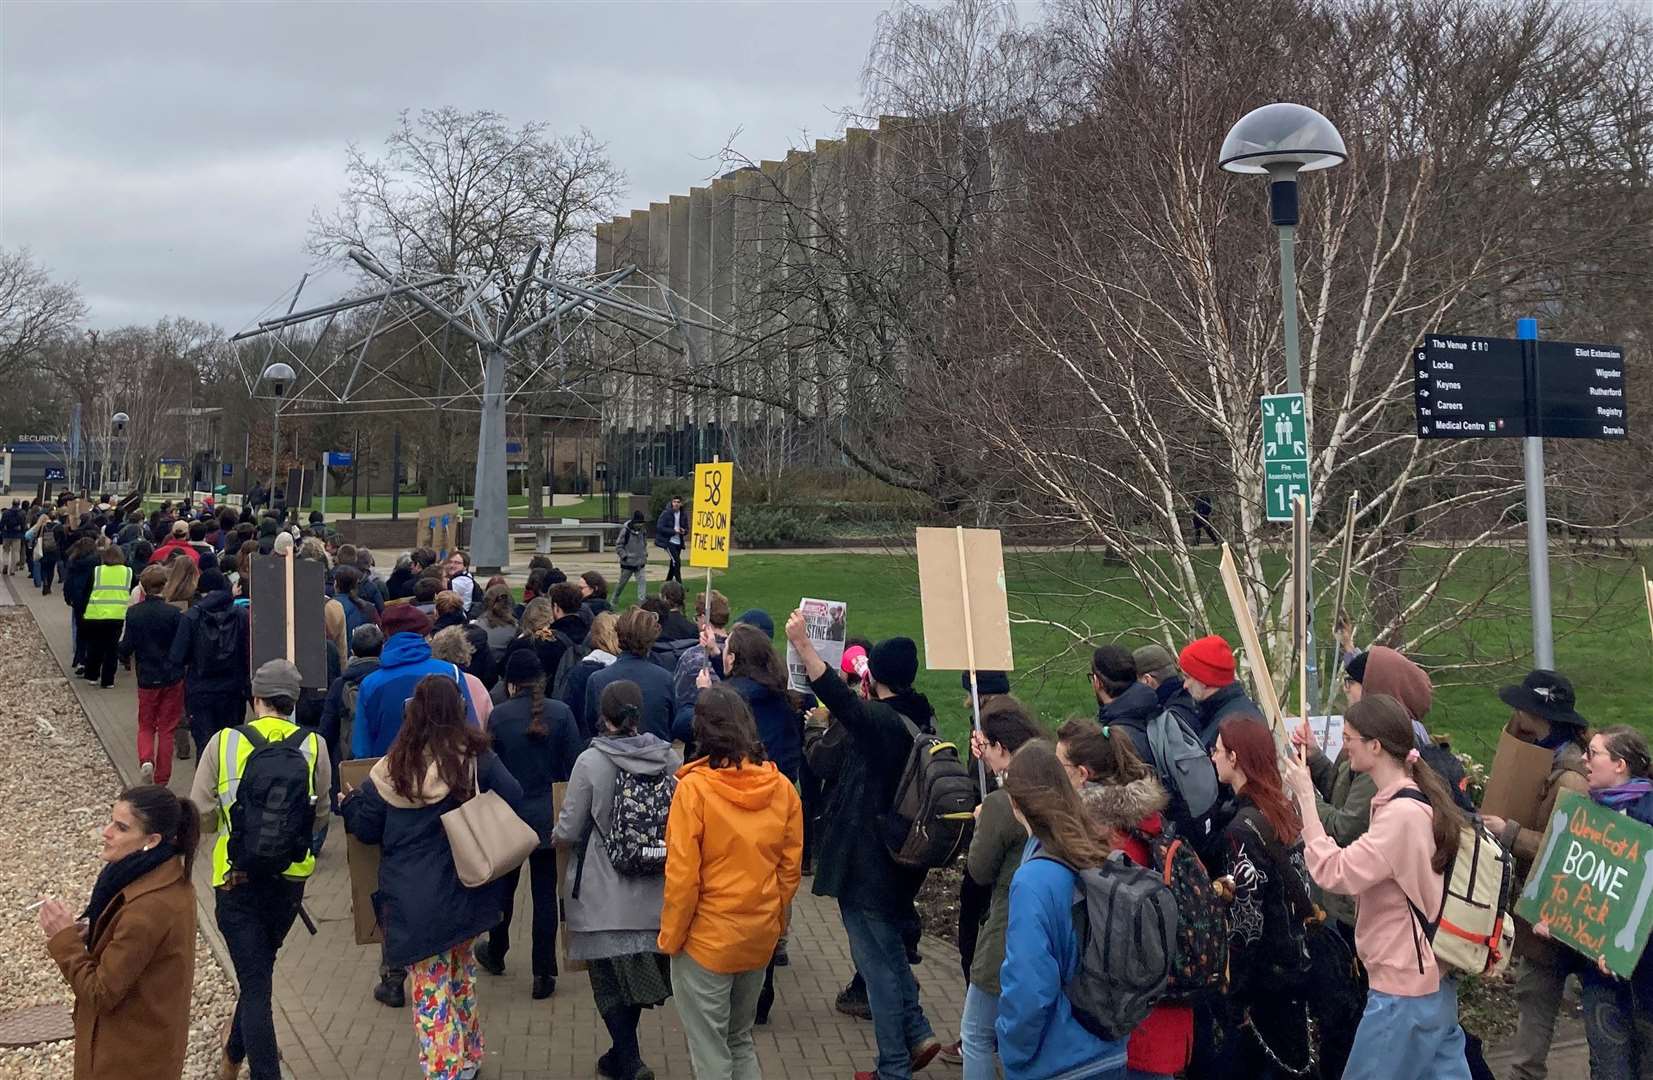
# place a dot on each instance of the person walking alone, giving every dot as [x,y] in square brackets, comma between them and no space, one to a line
[632,546]
[734,847]
[669,534]
[105,615]
[436,762]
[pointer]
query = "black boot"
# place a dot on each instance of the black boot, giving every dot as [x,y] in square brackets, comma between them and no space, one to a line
[390,994]
[486,961]
[544,986]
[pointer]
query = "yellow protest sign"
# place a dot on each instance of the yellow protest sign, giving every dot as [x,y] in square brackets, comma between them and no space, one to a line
[714,498]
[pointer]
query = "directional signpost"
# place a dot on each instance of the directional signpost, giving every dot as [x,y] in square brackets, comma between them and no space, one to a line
[1477,388]
[1285,454]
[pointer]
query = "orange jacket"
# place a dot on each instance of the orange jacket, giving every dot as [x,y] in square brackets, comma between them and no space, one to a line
[734,844]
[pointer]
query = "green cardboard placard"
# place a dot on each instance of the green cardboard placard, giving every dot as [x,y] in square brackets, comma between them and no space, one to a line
[1593,882]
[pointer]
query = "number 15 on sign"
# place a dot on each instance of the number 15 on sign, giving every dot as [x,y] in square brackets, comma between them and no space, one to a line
[714,498]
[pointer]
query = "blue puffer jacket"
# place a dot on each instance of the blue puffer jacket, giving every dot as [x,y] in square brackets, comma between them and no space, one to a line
[1038,1037]
[421,903]
[404,661]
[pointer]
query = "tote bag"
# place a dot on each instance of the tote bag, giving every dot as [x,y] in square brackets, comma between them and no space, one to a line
[488,839]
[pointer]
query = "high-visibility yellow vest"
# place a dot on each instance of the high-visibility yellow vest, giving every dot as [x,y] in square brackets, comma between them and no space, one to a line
[111,588]
[233,752]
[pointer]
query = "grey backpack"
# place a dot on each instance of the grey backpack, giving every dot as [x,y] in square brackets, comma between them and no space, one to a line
[1126,920]
[1183,763]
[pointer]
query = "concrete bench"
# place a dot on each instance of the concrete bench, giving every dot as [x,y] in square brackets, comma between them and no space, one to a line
[592,534]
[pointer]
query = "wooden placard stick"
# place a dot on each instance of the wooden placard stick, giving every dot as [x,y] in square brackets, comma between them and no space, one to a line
[970,656]
[1647,591]
[287,573]
[1300,599]
[1340,614]
[1267,699]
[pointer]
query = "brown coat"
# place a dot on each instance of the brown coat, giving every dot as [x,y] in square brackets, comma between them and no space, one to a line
[1569,774]
[132,984]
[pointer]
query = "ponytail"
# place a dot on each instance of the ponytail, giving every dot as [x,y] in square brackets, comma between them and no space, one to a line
[1384,718]
[1448,818]
[536,725]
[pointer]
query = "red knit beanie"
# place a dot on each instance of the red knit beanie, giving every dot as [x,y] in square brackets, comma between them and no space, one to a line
[1209,660]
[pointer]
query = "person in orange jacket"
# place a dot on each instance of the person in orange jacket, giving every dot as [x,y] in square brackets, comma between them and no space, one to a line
[734,848]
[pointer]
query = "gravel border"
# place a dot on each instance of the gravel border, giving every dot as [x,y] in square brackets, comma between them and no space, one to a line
[60,785]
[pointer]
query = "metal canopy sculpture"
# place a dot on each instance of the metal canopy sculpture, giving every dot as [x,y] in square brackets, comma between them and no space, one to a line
[492,321]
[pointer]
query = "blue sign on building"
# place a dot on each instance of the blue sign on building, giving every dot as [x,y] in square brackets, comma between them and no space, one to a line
[53,473]
[338,459]
[229,469]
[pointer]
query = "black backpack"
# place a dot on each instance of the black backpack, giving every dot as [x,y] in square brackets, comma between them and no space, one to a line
[1126,921]
[219,639]
[556,683]
[930,820]
[1446,763]
[1202,920]
[272,821]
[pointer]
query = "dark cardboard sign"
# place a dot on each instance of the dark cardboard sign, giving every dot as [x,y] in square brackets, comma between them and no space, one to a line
[1593,882]
[286,619]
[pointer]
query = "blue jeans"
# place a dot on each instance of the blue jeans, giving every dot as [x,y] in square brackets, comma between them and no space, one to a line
[898,1024]
[1618,1021]
[977,1043]
[1409,1038]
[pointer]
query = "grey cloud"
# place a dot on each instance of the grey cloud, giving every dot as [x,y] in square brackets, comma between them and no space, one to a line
[168,156]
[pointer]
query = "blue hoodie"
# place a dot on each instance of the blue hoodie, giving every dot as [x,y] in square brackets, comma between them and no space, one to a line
[404,661]
[1038,1037]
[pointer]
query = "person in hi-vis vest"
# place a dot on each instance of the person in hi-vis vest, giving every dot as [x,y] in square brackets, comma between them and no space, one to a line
[105,615]
[261,856]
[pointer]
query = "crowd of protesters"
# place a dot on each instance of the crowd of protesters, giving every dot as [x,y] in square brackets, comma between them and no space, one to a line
[703,788]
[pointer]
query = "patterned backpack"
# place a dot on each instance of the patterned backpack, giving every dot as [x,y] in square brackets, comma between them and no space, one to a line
[636,839]
[1202,922]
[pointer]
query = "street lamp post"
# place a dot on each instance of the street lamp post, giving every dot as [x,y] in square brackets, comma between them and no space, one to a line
[279,376]
[117,428]
[1280,141]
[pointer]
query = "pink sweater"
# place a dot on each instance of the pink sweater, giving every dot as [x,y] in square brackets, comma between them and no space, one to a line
[1389,863]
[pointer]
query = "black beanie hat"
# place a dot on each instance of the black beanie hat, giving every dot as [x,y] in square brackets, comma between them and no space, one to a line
[523,668]
[1355,669]
[894,662]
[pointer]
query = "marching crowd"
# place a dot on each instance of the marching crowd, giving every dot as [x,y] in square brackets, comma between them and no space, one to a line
[1161,889]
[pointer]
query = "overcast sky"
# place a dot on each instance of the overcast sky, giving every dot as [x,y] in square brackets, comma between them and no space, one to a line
[168,156]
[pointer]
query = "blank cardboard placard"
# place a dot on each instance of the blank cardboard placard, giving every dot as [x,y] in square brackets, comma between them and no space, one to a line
[438,528]
[363,860]
[1256,659]
[941,587]
[1516,787]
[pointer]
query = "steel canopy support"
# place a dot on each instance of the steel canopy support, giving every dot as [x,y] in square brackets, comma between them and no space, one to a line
[490,538]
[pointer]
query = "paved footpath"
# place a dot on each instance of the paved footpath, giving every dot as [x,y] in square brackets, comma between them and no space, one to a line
[330,1028]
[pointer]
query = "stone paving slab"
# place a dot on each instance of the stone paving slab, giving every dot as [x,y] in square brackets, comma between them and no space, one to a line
[330,1028]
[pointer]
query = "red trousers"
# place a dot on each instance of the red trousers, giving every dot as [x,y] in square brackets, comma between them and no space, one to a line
[159,712]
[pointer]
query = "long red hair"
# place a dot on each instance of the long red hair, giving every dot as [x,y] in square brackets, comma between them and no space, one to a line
[1252,745]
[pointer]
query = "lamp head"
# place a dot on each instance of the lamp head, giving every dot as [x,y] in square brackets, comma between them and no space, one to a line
[1281,140]
[278,375]
[118,421]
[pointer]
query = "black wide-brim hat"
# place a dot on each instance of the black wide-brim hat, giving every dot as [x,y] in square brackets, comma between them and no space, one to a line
[1547,695]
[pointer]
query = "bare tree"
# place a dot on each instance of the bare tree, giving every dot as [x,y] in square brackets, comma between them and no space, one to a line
[34,309]
[465,194]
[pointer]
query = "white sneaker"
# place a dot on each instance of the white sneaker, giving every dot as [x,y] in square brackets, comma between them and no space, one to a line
[147,771]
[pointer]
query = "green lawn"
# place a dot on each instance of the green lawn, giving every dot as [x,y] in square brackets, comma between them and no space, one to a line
[1602,635]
